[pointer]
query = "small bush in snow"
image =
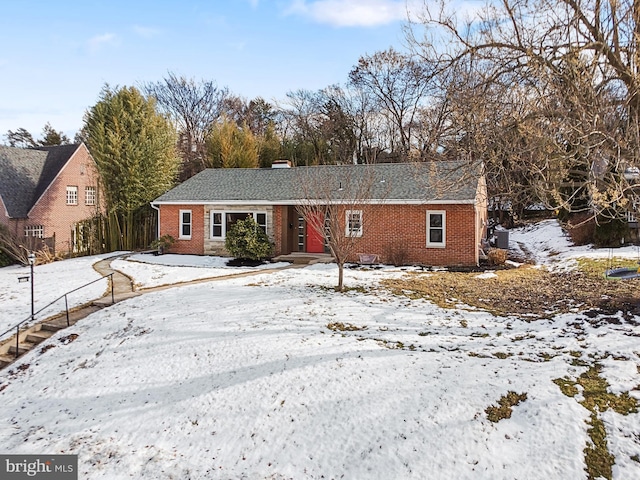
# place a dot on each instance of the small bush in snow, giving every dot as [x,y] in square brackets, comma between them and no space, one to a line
[246,240]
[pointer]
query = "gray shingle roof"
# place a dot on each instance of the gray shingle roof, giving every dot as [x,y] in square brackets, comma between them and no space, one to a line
[389,182]
[25,173]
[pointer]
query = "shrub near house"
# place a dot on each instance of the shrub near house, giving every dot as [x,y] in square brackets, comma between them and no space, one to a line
[434,213]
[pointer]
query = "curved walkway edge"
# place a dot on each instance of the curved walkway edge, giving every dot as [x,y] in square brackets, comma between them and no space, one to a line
[123,289]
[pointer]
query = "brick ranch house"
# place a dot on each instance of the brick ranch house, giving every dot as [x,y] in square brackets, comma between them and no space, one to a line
[45,191]
[432,214]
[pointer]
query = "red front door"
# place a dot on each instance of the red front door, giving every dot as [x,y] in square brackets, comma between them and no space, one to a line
[315,239]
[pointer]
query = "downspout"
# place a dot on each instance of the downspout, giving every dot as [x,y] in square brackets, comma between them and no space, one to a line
[155,207]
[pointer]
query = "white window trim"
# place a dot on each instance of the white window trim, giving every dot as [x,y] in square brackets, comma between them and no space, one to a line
[223,213]
[72,195]
[181,236]
[347,231]
[442,244]
[36,231]
[90,195]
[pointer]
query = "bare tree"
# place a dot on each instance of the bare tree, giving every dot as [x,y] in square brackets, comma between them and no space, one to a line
[193,107]
[567,72]
[399,84]
[339,203]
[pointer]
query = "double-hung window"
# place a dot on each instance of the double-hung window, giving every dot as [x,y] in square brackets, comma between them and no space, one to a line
[436,228]
[72,195]
[185,224]
[221,222]
[353,223]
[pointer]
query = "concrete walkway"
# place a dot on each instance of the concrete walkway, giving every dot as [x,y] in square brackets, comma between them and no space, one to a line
[121,287]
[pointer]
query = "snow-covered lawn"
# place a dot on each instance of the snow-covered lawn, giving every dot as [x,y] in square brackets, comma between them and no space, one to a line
[153,271]
[51,281]
[276,376]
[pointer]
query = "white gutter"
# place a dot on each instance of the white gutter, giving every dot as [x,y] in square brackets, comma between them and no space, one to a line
[158,225]
[333,202]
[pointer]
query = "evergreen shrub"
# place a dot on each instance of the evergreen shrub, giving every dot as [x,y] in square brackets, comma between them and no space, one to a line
[247,241]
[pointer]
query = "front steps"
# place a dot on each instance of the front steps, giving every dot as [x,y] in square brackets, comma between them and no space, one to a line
[32,337]
[301,258]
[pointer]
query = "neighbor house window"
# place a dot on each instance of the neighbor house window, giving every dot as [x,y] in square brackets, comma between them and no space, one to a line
[89,195]
[221,222]
[185,224]
[353,223]
[34,231]
[436,229]
[72,195]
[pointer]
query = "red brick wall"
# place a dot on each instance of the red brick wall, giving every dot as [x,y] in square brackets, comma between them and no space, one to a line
[401,231]
[170,225]
[398,231]
[52,211]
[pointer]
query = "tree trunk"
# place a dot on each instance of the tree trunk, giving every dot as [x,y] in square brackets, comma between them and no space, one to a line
[340,286]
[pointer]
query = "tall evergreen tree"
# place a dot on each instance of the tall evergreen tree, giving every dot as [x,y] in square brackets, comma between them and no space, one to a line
[50,137]
[134,149]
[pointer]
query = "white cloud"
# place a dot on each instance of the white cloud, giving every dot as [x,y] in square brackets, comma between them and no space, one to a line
[97,42]
[350,13]
[145,32]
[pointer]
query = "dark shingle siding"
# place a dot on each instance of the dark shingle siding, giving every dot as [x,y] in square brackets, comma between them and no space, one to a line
[415,182]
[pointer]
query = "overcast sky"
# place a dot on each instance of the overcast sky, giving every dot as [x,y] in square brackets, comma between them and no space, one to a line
[58,55]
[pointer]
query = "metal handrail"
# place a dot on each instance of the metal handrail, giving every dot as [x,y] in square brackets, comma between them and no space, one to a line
[31,317]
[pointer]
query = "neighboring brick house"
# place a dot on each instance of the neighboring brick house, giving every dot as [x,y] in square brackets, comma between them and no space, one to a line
[429,214]
[45,192]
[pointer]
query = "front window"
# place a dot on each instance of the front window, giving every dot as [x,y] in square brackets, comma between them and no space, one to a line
[221,222]
[72,195]
[34,231]
[90,195]
[353,223]
[185,224]
[436,229]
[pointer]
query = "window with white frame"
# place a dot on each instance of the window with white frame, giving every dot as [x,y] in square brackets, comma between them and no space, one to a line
[436,228]
[185,224]
[353,223]
[34,231]
[89,195]
[221,222]
[72,195]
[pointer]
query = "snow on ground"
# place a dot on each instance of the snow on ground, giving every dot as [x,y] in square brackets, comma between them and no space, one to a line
[152,271]
[243,379]
[548,244]
[50,282]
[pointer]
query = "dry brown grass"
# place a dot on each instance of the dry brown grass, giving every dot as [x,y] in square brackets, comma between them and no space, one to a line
[525,291]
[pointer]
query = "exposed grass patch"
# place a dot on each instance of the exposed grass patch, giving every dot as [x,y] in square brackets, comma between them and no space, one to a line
[567,387]
[597,457]
[504,408]
[344,327]
[480,334]
[525,291]
[502,355]
[596,399]
[396,345]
